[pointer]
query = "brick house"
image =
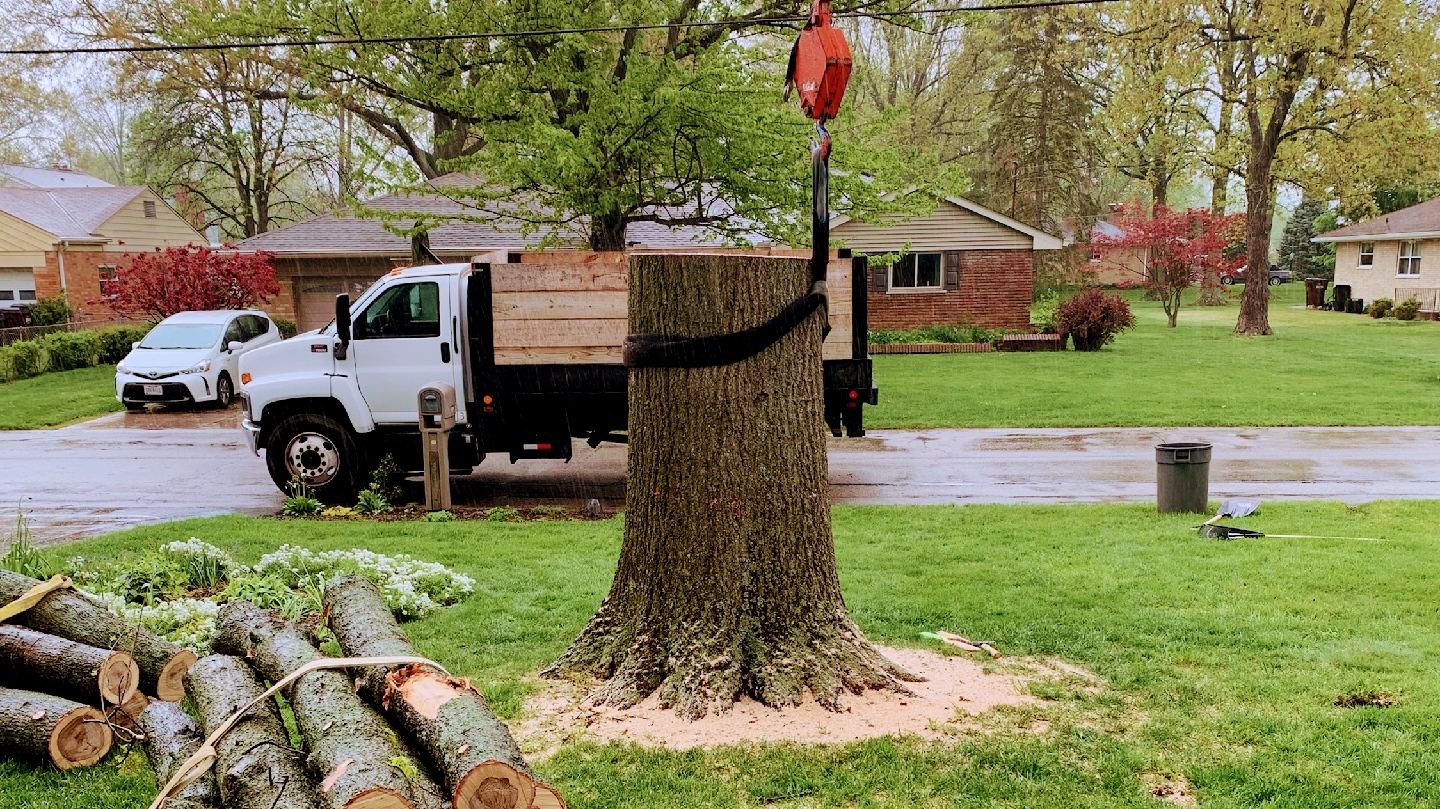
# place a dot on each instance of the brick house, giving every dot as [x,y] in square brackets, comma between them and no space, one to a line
[1123,266]
[964,263]
[1385,257]
[76,238]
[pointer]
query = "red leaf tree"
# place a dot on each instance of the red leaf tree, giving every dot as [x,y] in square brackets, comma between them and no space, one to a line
[1181,247]
[181,279]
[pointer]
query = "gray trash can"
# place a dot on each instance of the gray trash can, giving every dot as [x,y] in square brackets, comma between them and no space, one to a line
[1182,478]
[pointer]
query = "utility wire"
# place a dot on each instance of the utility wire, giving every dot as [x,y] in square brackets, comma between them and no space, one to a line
[602,29]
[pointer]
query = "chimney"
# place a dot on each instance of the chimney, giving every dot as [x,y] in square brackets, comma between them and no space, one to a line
[213,234]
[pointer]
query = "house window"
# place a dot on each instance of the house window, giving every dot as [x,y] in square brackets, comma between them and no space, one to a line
[1410,258]
[1367,254]
[27,294]
[109,283]
[149,206]
[7,294]
[916,271]
[1094,256]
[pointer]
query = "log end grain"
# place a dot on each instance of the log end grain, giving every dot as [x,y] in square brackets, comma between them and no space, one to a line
[80,738]
[379,798]
[170,686]
[494,785]
[119,678]
[127,713]
[547,798]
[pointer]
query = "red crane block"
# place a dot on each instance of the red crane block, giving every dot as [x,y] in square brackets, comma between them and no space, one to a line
[820,65]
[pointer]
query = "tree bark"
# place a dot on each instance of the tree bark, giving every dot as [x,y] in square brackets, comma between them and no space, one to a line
[351,747]
[726,584]
[127,713]
[171,736]
[66,668]
[446,719]
[70,615]
[255,766]
[1254,317]
[50,728]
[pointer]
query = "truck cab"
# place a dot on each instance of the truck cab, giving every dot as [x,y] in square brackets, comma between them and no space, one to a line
[531,346]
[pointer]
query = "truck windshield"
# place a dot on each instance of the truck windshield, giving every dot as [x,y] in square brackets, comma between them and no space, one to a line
[183,335]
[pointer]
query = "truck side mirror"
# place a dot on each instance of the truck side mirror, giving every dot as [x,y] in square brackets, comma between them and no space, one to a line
[342,323]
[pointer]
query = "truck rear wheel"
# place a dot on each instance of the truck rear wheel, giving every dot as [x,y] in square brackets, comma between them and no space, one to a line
[319,451]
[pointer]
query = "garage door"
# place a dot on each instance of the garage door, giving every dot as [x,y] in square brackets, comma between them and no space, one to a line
[16,287]
[315,306]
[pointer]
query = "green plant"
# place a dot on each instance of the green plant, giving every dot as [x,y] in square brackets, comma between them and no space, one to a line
[22,360]
[21,555]
[302,507]
[270,592]
[1093,318]
[205,565]
[385,480]
[1380,307]
[338,511]
[439,516]
[504,514]
[961,333]
[372,502]
[550,512]
[116,341]
[1407,309]
[287,328]
[69,350]
[151,579]
[1045,310]
[52,311]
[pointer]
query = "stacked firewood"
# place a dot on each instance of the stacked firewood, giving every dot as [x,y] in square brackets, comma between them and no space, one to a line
[70,670]
[372,737]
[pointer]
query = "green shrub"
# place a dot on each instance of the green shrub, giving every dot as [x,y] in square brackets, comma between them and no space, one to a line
[1407,309]
[1044,311]
[52,311]
[116,341]
[961,333]
[287,328]
[23,360]
[504,514]
[69,350]
[372,502]
[151,579]
[439,516]
[550,512]
[302,507]
[385,480]
[21,555]
[1380,307]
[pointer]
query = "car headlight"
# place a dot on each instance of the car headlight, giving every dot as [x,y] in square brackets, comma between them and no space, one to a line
[122,369]
[197,368]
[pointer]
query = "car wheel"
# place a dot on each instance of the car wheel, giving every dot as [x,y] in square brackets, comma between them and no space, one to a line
[1274,282]
[320,452]
[1227,281]
[224,391]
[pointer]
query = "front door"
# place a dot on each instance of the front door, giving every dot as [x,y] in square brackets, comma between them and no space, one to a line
[399,348]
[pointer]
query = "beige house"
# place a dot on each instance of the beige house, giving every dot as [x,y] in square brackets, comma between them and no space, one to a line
[1394,256]
[76,238]
[964,263]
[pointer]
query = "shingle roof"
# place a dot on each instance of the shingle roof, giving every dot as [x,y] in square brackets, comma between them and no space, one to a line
[70,214]
[1417,221]
[28,177]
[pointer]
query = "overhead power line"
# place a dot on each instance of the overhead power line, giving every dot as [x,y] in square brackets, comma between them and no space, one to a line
[601,29]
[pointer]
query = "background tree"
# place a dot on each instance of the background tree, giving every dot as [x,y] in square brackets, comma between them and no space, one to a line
[1180,246]
[1297,252]
[179,279]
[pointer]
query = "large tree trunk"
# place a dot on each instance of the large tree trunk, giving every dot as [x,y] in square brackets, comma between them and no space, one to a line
[49,728]
[726,584]
[445,718]
[70,615]
[171,737]
[1259,208]
[255,766]
[30,659]
[351,747]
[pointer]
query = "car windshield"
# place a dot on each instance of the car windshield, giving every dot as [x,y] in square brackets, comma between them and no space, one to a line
[183,335]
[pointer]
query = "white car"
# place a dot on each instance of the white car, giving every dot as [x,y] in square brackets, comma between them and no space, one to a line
[191,357]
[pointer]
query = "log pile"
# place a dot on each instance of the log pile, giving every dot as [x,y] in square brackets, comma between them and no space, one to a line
[71,672]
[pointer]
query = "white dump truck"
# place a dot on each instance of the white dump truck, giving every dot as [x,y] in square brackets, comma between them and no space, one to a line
[532,345]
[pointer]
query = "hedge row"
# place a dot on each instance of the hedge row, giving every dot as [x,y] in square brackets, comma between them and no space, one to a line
[67,350]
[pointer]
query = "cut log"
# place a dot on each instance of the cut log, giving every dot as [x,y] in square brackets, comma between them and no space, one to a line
[255,766]
[445,718]
[171,736]
[30,659]
[71,615]
[352,750]
[54,729]
[127,713]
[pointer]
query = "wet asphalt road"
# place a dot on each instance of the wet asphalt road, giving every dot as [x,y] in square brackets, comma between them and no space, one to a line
[130,469]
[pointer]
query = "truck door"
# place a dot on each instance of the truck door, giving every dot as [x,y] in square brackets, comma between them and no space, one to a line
[401,343]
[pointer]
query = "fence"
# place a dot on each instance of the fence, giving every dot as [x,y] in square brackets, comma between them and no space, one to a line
[15,334]
[1426,295]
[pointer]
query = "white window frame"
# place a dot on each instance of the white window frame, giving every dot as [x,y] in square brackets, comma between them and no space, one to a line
[939,285]
[1367,258]
[1408,265]
[113,279]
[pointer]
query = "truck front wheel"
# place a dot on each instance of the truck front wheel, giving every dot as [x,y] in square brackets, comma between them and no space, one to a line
[320,452]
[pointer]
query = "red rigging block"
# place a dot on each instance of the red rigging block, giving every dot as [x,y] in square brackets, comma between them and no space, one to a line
[822,65]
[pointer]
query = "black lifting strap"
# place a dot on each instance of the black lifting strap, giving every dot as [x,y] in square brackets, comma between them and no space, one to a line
[665,351]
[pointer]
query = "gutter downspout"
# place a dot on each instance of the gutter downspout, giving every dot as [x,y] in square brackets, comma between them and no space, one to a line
[60,257]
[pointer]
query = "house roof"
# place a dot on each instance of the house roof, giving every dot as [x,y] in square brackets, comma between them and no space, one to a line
[29,177]
[1040,239]
[1416,222]
[351,235]
[68,214]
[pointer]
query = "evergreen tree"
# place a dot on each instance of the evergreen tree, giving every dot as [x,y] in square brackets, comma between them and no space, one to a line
[1297,253]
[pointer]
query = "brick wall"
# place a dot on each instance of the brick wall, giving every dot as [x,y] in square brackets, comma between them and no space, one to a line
[82,282]
[996,287]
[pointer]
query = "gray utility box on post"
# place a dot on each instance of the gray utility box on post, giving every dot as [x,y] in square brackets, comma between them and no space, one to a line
[1182,478]
[436,403]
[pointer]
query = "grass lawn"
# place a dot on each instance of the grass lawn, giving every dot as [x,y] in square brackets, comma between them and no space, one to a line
[1320,368]
[1223,659]
[58,398]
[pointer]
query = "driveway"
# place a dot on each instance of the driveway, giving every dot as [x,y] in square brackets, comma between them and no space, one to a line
[130,469]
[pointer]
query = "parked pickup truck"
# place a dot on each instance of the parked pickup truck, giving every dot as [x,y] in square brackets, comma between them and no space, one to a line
[531,343]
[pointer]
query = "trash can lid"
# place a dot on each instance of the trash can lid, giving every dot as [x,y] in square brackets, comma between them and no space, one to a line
[1182,452]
